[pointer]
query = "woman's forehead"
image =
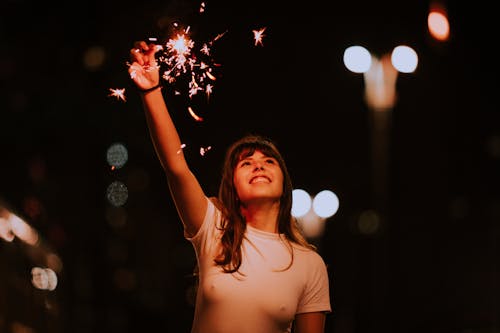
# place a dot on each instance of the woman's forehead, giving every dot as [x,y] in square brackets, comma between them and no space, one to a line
[249,152]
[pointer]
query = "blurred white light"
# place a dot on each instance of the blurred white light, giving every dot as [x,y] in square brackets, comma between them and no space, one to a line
[12,226]
[325,204]
[404,59]
[23,231]
[6,232]
[117,193]
[117,155]
[43,278]
[357,59]
[301,202]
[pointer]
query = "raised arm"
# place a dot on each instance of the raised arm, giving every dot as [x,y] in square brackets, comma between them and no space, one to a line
[189,198]
[312,322]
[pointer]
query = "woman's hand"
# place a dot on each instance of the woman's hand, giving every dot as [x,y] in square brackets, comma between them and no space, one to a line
[144,69]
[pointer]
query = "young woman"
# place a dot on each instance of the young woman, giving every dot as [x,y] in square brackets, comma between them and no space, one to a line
[257,273]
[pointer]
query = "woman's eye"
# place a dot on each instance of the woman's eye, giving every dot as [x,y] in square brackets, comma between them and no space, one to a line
[245,163]
[270,161]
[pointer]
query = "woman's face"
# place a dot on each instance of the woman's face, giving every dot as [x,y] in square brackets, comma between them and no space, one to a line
[258,177]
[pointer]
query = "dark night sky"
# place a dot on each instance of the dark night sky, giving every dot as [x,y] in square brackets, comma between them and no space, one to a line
[431,267]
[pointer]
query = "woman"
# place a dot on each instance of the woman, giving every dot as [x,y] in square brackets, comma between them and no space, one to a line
[257,273]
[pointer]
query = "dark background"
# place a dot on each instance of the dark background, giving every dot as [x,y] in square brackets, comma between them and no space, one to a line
[430,265]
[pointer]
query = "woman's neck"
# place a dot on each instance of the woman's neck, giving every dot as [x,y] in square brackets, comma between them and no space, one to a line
[262,216]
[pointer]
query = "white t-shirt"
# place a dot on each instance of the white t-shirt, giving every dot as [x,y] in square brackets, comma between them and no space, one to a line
[263,296]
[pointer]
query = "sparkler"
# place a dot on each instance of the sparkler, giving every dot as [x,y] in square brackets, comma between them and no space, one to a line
[181,58]
[188,66]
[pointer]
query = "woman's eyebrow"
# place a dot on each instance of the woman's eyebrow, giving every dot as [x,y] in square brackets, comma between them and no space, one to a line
[245,158]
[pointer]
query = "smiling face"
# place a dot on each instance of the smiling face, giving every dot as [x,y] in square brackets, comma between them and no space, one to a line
[257,177]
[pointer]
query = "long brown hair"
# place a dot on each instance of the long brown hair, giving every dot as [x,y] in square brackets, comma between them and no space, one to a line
[233,223]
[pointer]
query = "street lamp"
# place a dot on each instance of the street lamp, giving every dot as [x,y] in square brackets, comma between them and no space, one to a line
[380,75]
[312,211]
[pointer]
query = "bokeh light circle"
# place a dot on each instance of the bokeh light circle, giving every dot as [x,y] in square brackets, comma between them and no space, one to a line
[117,155]
[117,193]
[301,202]
[404,59]
[357,59]
[325,204]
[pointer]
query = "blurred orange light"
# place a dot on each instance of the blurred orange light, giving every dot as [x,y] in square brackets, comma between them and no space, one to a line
[438,24]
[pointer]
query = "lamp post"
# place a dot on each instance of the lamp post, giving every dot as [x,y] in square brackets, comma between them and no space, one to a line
[380,76]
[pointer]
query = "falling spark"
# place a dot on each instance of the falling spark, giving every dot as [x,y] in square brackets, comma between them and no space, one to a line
[219,36]
[194,115]
[202,7]
[118,93]
[258,35]
[203,151]
[183,145]
[211,76]
[208,90]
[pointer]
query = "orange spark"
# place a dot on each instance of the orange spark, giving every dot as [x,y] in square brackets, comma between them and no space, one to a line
[219,35]
[210,76]
[194,115]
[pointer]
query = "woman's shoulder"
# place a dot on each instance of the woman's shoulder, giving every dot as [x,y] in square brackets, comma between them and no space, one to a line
[212,220]
[215,214]
[308,252]
[217,204]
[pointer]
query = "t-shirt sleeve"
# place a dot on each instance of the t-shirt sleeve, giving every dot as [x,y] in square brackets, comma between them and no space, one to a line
[316,297]
[203,240]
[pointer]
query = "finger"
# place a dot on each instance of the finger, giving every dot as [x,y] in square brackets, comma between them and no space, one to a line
[142,45]
[136,55]
[135,52]
[142,52]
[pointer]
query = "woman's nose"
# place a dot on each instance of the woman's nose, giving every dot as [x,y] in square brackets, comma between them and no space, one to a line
[258,166]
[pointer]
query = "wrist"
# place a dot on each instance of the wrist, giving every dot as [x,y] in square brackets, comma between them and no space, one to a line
[145,91]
